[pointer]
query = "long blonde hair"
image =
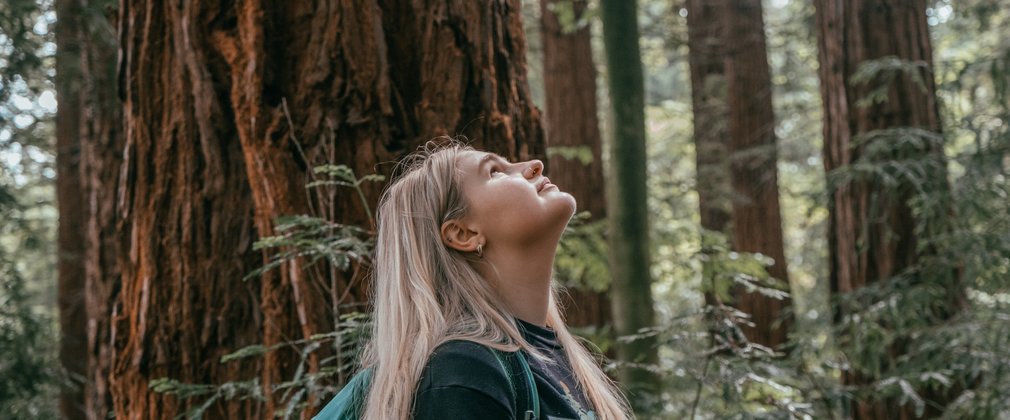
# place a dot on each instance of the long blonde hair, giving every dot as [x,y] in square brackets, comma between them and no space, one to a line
[425,293]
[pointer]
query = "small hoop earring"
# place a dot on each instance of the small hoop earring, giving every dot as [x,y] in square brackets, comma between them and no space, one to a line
[480,250]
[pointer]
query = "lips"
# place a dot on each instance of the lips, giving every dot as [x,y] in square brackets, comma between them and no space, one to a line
[543,184]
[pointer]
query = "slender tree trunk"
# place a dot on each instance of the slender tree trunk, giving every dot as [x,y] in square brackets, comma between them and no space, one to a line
[627,209]
[872,233]
[89,133]
[756,216]
[227,107]
[101,137]
[706,50]
[70,198]
[571,121]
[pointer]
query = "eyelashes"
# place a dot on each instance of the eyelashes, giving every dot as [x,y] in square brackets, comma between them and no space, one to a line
[495,168]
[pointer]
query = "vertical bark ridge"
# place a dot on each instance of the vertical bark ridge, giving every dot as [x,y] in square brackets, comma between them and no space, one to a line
[184,220]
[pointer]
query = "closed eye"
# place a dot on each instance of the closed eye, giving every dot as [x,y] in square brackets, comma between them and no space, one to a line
[494,169]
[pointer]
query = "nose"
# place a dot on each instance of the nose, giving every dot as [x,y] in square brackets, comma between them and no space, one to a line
[536,167]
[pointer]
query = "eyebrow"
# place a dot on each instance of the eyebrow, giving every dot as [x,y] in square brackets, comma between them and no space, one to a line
[487,158]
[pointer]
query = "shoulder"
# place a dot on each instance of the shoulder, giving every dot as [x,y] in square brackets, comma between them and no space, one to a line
[462,363]
[469,368]
[463,379]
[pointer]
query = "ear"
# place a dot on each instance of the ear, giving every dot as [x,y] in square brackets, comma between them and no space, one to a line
[457,235]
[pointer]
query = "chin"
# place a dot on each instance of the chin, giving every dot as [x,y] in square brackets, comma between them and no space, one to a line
[572,206]
[571,199]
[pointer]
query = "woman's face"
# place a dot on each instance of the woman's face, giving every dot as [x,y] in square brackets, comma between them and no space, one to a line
[512,202]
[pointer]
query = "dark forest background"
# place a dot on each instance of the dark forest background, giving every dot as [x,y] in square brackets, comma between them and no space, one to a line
[788,209]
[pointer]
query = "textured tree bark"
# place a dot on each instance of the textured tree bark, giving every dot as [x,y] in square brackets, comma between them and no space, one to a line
[227,107]
[571,121]
[627,210]
[872,235]
[753,155]
[70,200]
[185,219]
[88,137]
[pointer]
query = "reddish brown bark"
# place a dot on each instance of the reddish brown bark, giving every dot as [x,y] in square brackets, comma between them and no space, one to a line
[872,228]
[212,159]
[708,104]
[185,218]
[705,29]
[735,147]
[571,121]
[753,154]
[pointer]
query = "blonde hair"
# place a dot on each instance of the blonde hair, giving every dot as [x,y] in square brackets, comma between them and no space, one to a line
[425,293]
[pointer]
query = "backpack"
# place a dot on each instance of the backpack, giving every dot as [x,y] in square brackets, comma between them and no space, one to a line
[348,404]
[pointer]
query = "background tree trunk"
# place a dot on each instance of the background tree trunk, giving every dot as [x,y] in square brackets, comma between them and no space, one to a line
[70,198]
[756,215]
[706,47]
[571,121]
[872,235]
[227,108]
[89,144]
[628,213]
[101,137]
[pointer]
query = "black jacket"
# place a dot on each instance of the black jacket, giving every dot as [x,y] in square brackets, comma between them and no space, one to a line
[463,380]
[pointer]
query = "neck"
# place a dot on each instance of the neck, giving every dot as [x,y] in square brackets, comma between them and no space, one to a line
[523,278]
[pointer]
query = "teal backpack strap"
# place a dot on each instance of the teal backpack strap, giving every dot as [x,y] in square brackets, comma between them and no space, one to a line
[532,386]
[530,410]
[348,404]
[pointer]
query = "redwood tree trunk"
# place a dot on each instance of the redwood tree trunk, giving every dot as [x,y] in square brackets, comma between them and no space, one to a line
[706,51]
[872,232]
[185,216]
[756,216]
[571,121]
[227,107]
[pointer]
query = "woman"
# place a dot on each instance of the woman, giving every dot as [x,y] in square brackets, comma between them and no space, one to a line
[464,256]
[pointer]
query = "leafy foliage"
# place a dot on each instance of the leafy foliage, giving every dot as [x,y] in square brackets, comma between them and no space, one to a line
[581,259]
[29,373]
[28,376]
[314,239]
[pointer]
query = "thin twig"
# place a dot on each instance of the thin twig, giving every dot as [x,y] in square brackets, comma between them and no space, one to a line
[701,383]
